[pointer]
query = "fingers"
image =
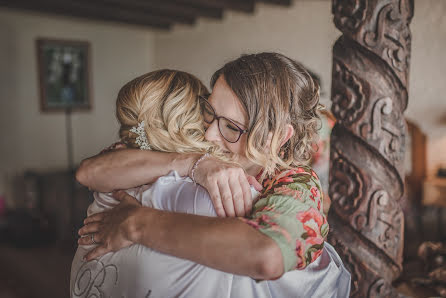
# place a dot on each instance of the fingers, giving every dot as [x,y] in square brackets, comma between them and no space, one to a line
[97,252]
[94,218]
[90,228]
[253,181]
[228,187]
[88,239]
[84,240]
[226,197]
[214,193]
[247,196]
[237,195]
[122,196]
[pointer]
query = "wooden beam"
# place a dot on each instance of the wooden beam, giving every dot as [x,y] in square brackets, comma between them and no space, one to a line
[137,7]
[90,11]
[173,8]
[238,5]
[277,2]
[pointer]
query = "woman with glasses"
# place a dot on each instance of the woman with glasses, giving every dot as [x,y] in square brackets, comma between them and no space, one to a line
[229,130]
[262,113]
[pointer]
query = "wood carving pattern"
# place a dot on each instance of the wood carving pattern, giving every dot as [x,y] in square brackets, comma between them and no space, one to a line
[347,96]
[383,224]
[350,15]
[369,95]
[390,137]
[390,36]
[346,185]
[380,288]
[350,263]
[382,26]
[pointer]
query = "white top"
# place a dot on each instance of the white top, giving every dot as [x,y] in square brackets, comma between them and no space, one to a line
[138,271]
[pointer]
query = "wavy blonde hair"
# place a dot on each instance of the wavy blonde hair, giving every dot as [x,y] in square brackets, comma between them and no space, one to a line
[168,103]
[275,91]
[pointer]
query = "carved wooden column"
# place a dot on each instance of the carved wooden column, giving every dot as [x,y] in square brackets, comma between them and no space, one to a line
[369,95]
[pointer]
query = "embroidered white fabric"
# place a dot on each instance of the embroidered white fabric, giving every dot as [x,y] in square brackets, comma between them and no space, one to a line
[138,271]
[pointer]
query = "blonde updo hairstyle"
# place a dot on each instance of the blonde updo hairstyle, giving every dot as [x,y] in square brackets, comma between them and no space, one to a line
[167,101]
[275,91]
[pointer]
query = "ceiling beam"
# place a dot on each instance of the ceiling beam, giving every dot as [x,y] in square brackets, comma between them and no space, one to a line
[238,5]
[170,7]
[159,14]
[277,2]
[136,7]
[89,11]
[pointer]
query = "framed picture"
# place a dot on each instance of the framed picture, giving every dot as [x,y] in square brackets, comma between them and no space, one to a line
[64,75]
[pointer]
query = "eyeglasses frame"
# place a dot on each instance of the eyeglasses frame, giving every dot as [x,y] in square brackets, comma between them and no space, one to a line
[241,131]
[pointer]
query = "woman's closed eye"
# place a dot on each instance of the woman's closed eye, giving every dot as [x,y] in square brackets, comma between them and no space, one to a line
[232,127]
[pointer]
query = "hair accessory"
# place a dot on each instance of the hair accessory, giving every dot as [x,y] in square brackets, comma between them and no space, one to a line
[141,139]
[194,167]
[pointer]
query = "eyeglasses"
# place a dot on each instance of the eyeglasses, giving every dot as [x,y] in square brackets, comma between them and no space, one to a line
[230,131]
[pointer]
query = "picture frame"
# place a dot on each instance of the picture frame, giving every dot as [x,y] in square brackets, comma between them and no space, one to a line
[64,74]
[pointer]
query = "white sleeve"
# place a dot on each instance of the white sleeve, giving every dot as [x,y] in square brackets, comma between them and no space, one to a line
[178,194]
[105,201]
[102,202]
[192,198]
[184,197]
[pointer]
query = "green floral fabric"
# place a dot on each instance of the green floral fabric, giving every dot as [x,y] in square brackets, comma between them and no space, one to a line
[290,211]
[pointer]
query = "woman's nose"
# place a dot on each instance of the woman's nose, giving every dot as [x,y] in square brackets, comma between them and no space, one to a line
[212,132]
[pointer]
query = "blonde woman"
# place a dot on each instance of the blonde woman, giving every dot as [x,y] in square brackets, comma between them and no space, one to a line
[262,112]
[158,111]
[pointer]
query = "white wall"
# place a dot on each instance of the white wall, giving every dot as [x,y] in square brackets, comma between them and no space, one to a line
[303,32]
[306,33]
[32,140]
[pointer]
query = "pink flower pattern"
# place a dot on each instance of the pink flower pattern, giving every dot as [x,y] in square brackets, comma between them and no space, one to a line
[306,237]
[286,191]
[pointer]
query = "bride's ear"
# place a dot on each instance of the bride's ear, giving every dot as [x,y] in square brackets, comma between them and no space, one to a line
[289,132]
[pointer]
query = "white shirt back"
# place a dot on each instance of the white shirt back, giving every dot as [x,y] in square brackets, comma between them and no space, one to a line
[138,271]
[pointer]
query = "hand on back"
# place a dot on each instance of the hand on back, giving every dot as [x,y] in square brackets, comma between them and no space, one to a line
[228,186]
[112,229]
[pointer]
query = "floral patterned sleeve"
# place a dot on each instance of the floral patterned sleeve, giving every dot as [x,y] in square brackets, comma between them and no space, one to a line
[290,212]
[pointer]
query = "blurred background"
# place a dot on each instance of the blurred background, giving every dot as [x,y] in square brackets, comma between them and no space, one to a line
[92,48]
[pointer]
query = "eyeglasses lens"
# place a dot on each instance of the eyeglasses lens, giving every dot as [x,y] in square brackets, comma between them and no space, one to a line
[228,130]
[208,112]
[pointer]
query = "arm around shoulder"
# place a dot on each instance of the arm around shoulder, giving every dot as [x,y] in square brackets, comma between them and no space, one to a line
[127,168]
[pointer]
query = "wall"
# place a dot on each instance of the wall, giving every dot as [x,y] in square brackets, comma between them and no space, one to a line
[32,140]
[306,32]
[427,89]
[303,32]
